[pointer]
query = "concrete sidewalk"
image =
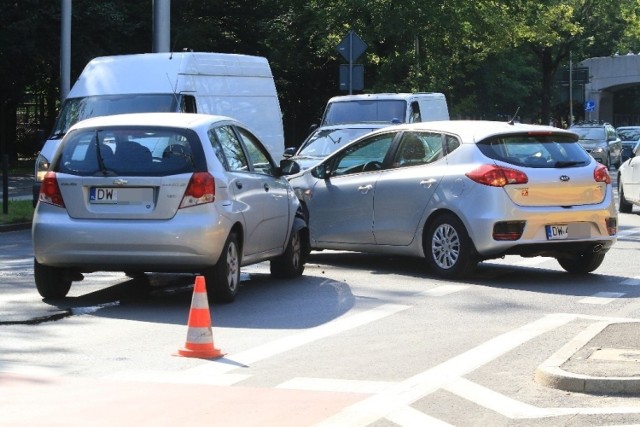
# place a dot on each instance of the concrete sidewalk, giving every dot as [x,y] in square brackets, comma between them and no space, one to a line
[603,359]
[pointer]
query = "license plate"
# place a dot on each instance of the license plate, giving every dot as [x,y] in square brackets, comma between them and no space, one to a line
[103,195]
[557,232]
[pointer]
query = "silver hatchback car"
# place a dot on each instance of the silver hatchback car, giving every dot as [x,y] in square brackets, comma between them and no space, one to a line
[164,192]
[459,192]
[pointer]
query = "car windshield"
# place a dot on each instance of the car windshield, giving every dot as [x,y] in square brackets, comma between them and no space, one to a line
[325,141]
[120,151]
[543,151]
[77,109]
[629,134]
[595,133]
[363,111]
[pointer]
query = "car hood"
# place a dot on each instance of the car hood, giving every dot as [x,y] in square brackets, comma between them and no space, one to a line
[591,143]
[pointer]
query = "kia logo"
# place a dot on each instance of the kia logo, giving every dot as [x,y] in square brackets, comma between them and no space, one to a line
[564,178]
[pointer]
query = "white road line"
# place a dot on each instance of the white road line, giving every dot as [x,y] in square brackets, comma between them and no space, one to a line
[408,391]
[336,385]
[443,290]
[602,298]
[407,416]
[256,354]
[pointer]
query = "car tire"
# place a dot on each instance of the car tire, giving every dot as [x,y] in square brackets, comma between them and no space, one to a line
[223,280]
[582,263]
[51,282]
[623,205]
[449,250]
[291,262]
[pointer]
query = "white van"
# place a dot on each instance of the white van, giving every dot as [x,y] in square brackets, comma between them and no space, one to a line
[386,107]
[238,86]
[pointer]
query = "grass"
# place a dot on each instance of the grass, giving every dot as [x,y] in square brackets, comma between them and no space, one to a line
[17,211]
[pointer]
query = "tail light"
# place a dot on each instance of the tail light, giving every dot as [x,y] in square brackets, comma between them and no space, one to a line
[601,174]
[497,176]
[508,230]
[612,225]
[50,191]
[201,190]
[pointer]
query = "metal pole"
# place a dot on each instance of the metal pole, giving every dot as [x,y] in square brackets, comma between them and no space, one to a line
[350,61]
[161,25]
[570,88]
[65,49]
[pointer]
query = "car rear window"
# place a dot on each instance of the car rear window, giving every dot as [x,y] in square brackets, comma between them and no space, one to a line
[536,151]
[134,152]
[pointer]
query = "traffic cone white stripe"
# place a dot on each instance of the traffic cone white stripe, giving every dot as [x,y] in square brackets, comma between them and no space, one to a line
[199,335]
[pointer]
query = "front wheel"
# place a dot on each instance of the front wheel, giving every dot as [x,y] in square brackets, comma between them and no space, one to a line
[448,248]
[623,205]
[581,263]
[223,280]
[291,262]
[51,282]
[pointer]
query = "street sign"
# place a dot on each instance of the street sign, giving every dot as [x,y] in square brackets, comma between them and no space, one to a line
[590,106]
[357,77]
[351,47]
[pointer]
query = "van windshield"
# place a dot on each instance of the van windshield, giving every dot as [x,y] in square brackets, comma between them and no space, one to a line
[77,109]
[365,111]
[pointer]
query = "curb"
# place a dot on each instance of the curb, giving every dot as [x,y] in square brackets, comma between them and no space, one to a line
[15,227]
[551,374]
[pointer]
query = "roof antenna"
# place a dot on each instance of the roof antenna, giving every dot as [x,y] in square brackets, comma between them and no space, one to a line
[513,119]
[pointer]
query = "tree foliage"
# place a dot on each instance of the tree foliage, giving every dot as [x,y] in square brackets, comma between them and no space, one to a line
[489,57]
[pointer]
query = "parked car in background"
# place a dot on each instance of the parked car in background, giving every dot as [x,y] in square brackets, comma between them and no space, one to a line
[630,137]
[629,182]
[601,141]
[164,192]
[327,139]
[459,192]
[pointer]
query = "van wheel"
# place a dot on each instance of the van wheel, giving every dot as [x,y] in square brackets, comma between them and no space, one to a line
[223,280]
[51,282]
[448,248]
[581,263]
[623,205]
[291,262]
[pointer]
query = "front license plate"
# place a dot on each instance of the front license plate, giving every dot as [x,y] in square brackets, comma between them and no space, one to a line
[103,195]
[557,232]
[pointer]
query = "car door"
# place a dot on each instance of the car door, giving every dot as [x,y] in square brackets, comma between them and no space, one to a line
[256,195]
[631,178]
[403,192]
[341,206]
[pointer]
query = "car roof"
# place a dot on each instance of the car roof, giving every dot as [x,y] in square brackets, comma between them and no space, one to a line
[382,96]
[359,125]
[182,120]
[476,130]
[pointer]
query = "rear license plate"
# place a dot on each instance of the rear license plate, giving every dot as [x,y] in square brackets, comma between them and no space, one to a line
[121,196]
[557,232]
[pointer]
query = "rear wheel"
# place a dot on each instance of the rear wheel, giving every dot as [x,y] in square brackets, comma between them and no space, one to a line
[291,262]
[623,205]
[581,263]
[51,282]
[449,250]
[223,280]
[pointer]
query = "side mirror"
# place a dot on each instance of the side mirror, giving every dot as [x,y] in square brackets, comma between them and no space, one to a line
[289,167]
[320,171]
[313,127]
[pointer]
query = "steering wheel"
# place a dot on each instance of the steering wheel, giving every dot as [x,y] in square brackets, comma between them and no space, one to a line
[372,165]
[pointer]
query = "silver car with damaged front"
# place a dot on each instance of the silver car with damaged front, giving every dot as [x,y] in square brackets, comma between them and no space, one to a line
[459,192]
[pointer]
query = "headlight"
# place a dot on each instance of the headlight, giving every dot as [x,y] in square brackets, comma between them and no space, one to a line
[598,150]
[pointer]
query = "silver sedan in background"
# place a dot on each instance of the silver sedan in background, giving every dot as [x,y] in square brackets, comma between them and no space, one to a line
[459,192]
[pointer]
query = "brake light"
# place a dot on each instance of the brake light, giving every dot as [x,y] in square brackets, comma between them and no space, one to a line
[601,174]
[201,190]
[50,191]
[497,176]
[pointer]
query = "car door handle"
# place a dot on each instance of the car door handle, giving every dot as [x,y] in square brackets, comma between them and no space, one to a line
[239,185]
[266,186]
[428,182]
[364,189]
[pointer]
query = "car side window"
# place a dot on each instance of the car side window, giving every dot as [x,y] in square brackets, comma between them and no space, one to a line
[418,148]
[415,113]
[367,155]
[451,143]
[258,157]
[236,160]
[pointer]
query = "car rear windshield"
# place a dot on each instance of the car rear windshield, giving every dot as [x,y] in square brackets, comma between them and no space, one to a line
[536,151]
[593,133]
[134,152]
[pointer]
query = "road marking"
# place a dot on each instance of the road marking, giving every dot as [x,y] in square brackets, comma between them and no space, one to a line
[443,290]
[602,298]
[426,382]
[336,385]
[408,416]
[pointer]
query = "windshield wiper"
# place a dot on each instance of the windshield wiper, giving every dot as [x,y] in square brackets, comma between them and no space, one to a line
[101,165]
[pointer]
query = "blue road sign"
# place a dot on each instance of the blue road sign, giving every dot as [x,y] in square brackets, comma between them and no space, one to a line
[590,106]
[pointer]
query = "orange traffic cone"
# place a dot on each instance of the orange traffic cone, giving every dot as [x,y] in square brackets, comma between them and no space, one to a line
[200,336]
